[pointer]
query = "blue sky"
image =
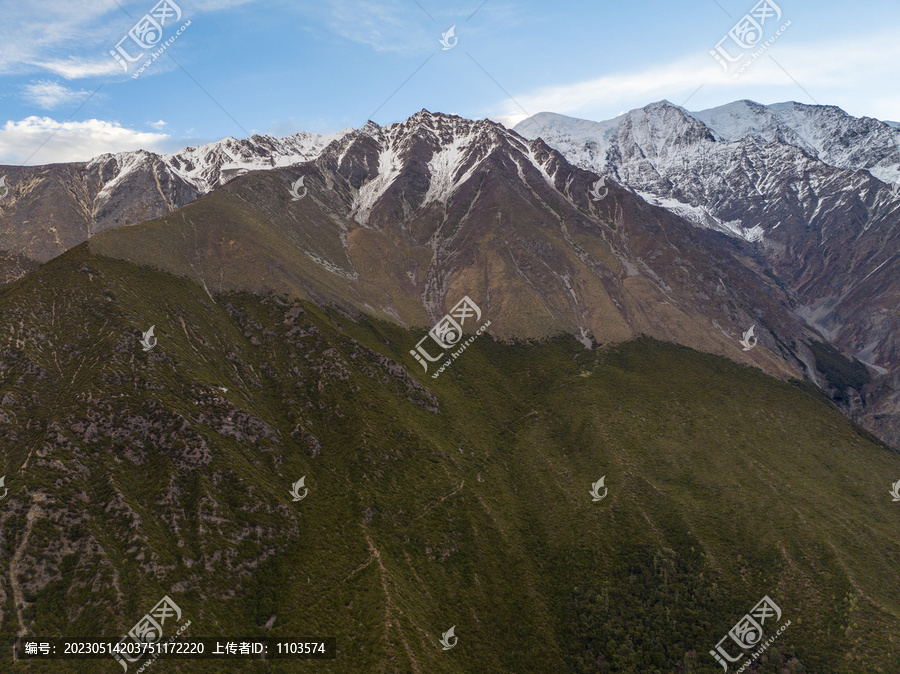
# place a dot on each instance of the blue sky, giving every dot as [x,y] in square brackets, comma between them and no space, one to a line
[281,66]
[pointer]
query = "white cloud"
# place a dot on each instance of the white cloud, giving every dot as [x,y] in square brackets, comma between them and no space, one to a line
[216,5]
[71,141]
[409,26]
[158,125]
[47,95]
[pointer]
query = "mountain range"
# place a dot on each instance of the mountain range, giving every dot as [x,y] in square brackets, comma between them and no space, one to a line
[676,306]
[769,217]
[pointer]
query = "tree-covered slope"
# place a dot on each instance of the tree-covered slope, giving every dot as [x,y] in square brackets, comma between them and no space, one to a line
[459,501]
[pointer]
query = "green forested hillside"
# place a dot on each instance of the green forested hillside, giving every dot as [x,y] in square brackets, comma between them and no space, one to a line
[459,501]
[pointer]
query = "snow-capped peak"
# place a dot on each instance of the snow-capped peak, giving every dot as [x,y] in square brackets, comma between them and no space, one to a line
[824,131]
[451,147]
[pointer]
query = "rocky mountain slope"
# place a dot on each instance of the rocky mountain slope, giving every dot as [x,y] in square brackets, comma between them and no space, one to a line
[460,501]
[801,185]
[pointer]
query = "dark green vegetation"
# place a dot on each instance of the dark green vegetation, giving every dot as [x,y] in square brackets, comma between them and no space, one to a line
[458,501]
[839,371]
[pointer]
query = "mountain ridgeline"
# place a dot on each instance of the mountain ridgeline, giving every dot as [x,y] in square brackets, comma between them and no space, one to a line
[49,209]
[397,221]
[460,501]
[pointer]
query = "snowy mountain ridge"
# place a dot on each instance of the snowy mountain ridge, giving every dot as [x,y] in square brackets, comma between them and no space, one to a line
[825,131]
[206,167]
[687,161]
[807,186]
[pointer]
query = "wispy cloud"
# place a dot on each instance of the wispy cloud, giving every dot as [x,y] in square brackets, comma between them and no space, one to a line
[73,141]
[63,28]
[157,125]
[48,95]
[848,66]
[631,89]
[404,26]
[65,37]
[73,68]
[386,26]
[216,5]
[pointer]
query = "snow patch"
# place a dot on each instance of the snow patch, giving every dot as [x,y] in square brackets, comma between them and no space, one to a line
[699,216]
[389,165]
[444,166]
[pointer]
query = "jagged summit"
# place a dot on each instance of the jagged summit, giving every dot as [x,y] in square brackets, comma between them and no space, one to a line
[427,156]
[824,131]
[662,103]
[682,158]
[214,164]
